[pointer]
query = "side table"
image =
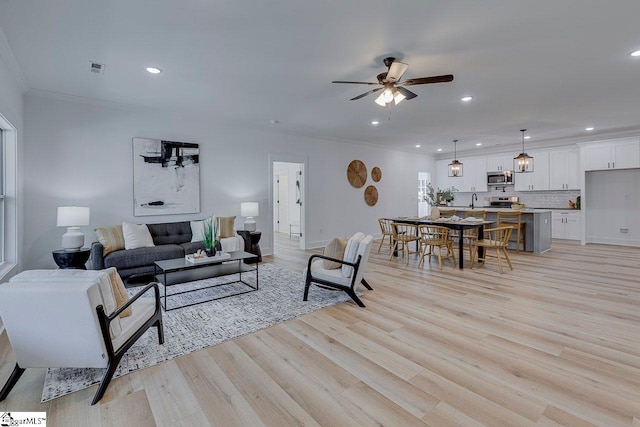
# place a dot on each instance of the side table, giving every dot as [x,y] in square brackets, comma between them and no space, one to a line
[251,240]
[71,259]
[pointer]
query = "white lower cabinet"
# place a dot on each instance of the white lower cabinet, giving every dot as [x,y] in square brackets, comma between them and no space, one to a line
[566,225]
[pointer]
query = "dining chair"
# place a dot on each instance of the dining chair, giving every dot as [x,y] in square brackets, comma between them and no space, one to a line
[403,235]
[495,239]
[447,212]
[514,218]
[385,229]
[436,236]
[471,234]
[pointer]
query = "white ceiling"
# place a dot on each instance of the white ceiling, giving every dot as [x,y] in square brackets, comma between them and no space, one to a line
[552,66]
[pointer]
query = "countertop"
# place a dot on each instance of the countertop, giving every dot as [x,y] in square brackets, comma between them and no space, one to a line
[490,209]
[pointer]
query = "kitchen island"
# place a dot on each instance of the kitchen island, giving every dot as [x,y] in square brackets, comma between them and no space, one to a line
[538,229]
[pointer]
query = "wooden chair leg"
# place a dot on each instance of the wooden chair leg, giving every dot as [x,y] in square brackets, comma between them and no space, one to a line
[366,284]
[499,260]
[453,254]
[506,255]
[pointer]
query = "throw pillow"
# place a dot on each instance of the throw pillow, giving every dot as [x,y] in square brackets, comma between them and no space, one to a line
[350,253]
[226,226]
[196,231]
[111,238]
[119,291]
[136,236]
[334,249]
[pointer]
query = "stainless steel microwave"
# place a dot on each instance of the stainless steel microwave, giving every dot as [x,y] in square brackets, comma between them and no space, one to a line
[500,178]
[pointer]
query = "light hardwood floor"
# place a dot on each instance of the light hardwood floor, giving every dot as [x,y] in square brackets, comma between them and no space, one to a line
[554,342]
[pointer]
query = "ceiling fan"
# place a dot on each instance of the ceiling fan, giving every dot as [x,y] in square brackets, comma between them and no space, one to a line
[392,88]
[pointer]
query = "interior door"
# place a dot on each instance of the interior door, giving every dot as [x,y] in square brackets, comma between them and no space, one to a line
[283,204]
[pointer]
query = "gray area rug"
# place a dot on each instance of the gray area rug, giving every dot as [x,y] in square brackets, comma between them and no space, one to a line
[189,329]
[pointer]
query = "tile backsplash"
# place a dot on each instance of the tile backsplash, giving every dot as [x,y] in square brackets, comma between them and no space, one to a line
[532,199]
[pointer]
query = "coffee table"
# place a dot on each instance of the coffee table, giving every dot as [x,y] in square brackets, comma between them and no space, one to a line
[179,270]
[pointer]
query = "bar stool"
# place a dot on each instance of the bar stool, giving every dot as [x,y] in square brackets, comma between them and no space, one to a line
[514,219]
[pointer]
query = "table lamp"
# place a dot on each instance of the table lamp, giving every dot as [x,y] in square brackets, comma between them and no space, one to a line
[72,217]
[249,210]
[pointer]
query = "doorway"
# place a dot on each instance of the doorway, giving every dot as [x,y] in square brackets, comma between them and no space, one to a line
[287,205]
[424,178]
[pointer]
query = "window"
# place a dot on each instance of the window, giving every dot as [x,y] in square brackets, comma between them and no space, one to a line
[8,197]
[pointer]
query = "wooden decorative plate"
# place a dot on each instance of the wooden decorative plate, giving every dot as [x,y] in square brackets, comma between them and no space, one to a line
[371,195]
[357,173]
[376,174]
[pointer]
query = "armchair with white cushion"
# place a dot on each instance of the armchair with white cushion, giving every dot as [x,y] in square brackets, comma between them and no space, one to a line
[69,319]
[348,275]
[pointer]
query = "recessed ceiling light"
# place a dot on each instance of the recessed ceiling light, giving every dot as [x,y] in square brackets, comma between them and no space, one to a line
[636,53]
[153,70]
[590,128]
[466,98]
[478,144]
[274,121]
[439,149]
[527,137]
[417,145]
[375,122]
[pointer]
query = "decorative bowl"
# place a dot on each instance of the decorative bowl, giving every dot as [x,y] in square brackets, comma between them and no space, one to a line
[517,206]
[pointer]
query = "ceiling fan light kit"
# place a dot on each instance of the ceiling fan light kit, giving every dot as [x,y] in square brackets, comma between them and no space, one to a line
[393,89]
[523,162]
[455,167]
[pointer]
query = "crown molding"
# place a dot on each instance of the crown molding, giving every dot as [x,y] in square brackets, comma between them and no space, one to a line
[6,54]
[41,93]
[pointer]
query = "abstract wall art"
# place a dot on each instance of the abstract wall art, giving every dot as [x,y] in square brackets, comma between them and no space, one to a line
[166,177]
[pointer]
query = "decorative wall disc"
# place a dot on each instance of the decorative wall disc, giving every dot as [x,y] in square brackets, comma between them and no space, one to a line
[357,173]
[371,195]
[376,174]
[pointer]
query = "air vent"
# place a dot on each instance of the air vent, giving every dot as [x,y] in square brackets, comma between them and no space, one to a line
[96,68]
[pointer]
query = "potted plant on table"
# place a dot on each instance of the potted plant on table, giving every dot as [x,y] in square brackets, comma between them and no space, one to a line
[210,235]
[440,196]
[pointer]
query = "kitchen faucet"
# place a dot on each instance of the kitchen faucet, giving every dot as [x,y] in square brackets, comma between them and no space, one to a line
[473,196]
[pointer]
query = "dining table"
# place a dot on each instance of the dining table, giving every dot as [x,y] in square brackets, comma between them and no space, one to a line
[454,223]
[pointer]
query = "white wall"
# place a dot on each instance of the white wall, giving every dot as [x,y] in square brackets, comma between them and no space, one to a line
[80,154]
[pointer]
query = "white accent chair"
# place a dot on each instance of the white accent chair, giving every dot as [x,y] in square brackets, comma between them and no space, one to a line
[345,278]
[68,318]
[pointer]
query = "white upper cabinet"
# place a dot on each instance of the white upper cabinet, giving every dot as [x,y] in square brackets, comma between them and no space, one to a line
[621,154]
[473,179]
[500,163]
[538,180]
[474,176]
[563,169]
[442,174]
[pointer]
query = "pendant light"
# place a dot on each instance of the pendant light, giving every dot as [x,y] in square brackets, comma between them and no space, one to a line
[455,167]
[523,162]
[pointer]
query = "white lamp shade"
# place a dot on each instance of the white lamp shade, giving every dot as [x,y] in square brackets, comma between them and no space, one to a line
[69,216]
[249,209]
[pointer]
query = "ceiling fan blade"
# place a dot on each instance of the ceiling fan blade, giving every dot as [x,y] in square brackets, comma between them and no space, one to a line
[396,70]
[356,83]
[366,93]
[406,92]
[425,80]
